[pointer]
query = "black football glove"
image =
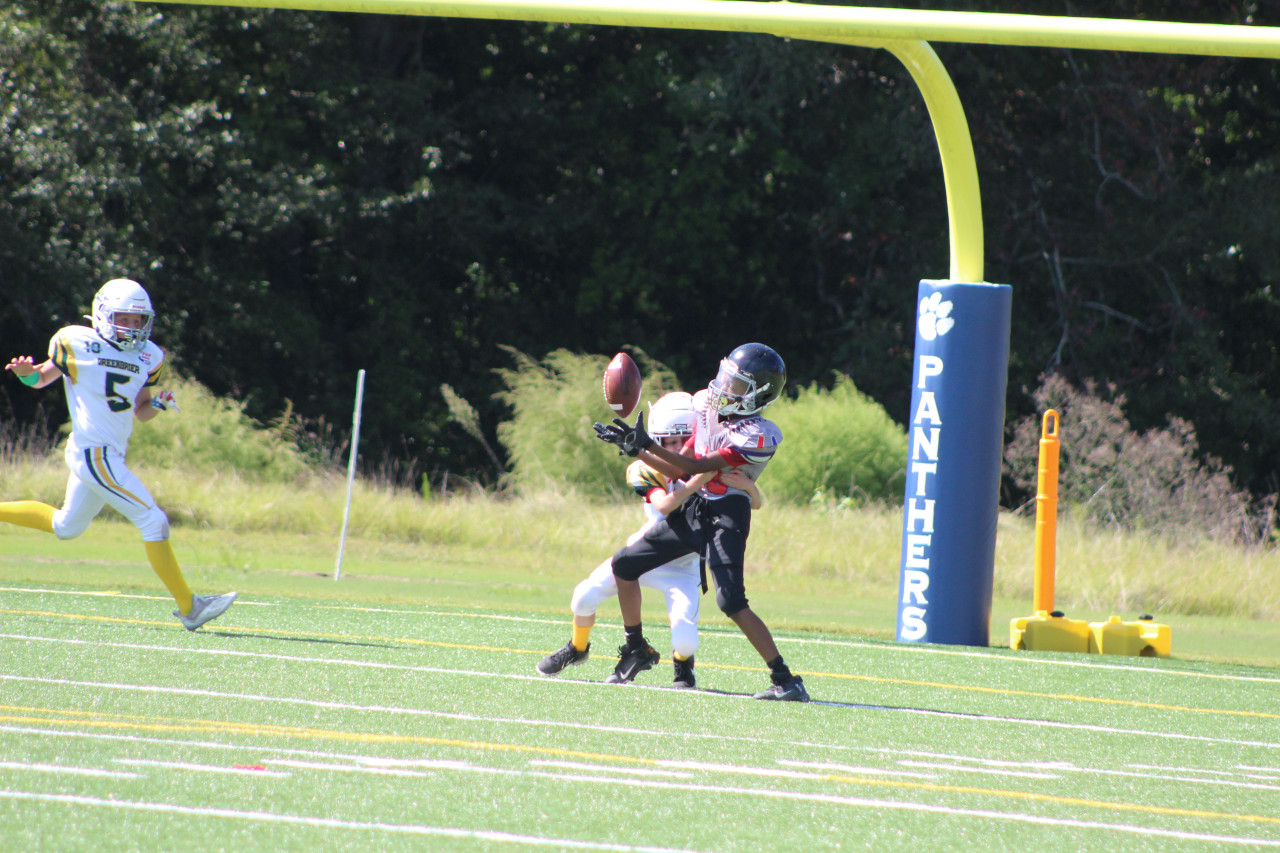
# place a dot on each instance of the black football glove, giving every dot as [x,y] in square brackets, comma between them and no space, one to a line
[611,434]
[635,439]
[629,440]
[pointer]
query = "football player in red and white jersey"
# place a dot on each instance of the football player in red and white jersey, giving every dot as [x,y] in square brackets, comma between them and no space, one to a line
[671,424]
[731,434]
[110,373]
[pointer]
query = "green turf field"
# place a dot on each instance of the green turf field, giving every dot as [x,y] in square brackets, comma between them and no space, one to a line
[305,724]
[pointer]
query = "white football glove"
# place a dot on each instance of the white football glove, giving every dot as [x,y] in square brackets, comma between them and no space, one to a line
[164,401]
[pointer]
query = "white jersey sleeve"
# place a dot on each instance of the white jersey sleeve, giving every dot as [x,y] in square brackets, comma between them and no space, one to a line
[102,382]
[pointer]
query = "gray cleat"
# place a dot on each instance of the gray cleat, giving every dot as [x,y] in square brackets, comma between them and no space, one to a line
[205,608]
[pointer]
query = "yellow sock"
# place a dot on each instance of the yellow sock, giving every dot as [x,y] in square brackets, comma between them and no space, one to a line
[166,566]
[675,656]
[581,637]
[31,514]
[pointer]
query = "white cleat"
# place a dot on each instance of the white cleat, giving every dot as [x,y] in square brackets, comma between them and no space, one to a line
[205,608]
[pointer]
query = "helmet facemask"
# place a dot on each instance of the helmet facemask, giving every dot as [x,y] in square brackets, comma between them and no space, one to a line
[122,296]
[733,392]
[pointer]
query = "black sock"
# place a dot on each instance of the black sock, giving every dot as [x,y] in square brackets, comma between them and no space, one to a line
[635,636]
[779,672]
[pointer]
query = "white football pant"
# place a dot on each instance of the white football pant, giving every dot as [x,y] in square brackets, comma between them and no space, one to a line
[99,477]
[679,584]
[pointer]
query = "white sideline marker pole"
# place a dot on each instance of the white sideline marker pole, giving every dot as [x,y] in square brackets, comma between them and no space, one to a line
[351,469]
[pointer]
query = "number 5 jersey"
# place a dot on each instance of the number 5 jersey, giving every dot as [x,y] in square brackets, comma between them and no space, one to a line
[102,382]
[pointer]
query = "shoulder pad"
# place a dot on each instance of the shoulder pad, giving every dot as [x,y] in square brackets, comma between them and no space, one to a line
[642,478]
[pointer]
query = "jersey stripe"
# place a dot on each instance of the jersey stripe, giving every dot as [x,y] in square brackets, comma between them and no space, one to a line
[96,457]
[732,457]
[153,378]
[64,357]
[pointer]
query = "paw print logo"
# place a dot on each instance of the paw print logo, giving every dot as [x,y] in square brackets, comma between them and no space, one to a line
[935,317]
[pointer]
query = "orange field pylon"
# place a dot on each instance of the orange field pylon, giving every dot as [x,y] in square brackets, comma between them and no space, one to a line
[1046,514]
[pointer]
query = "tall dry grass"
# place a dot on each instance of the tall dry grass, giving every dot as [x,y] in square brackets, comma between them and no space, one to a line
[831,550]
[212,469]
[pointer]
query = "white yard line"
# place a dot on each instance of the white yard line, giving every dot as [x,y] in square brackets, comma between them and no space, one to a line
[925,759]
[202,768]
[376,709]
[990,771]
[67,771]
[612,769]
[170,743]
[111,593]
[345,768]
[549,681]
[1268,775]
[896,805]
[620,776]
[852,768]
[994,654]
[631,783]
[330,823]
[100,593]
[1274,772]
[453,614]
[1038,769]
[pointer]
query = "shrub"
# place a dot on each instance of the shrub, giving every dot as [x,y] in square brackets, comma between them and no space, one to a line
[1157,481]
[555,402]
[836,445]
[214,434]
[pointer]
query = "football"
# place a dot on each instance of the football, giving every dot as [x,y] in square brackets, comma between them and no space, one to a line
[622,385]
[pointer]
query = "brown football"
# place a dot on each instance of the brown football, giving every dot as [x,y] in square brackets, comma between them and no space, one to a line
[622,385]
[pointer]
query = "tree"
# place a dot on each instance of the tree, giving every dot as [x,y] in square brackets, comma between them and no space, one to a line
[308,194]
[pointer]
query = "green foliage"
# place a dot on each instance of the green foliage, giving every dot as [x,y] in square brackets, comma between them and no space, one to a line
[301,191]
[837,444]
[1156,481]
[212,434]
[465,415]
[555,402]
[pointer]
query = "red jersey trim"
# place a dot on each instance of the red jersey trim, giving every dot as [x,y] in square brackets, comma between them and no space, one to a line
[732,457]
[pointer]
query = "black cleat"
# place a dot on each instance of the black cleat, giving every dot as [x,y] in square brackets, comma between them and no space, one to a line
[633,662]
[554,663]
[791,690]
[685,679]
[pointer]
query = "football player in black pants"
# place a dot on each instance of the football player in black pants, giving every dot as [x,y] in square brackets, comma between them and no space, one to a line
[730,433]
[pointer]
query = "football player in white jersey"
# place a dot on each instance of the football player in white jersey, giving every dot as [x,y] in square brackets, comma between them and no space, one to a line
[110,375]
[671,423]
[730,433]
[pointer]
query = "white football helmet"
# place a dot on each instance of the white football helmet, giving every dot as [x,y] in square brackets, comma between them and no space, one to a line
[672,416]
[123,296]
